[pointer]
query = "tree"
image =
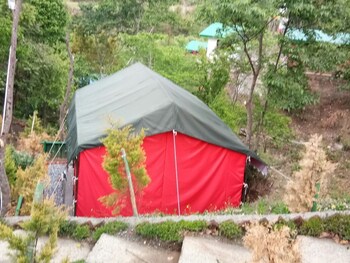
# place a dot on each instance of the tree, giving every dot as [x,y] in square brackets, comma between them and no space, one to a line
[123,139]
[249,23]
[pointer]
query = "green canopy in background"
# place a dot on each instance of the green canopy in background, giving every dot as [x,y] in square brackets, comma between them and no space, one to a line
[139,96]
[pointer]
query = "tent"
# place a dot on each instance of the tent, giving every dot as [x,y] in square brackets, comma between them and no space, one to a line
[194,160]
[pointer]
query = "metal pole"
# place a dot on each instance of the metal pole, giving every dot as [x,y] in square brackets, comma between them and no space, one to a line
[5,100]
[176,174]
[131,188]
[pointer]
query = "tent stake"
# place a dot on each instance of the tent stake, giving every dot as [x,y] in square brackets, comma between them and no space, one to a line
[131,188]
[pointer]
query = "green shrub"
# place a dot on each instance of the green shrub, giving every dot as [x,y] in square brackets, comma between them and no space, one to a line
[230,230]
[81,232]
[67,228]
[338,224]
[109,228]
[10,165]
[233,114]
[169,230]
[262,207]
[22,159]
[281,222]
[279,208]
[312,227]
[247,209]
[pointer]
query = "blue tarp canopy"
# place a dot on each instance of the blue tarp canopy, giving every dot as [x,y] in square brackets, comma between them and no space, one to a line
[320,36]
[195,46]
[216,30]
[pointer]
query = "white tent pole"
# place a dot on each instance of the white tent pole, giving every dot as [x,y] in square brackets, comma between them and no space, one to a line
[176,174]
[5,99]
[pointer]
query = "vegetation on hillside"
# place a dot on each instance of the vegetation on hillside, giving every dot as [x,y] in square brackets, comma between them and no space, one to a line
[108,35]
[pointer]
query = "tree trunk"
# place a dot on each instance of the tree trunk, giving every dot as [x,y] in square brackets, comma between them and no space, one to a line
[256,71]
[63,107]
[249,107]
[12,69]
[4,183]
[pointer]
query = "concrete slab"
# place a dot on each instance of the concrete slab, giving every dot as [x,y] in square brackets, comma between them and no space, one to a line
[205,250]
[114,249]
[316,250]
[67,249]
[5,252]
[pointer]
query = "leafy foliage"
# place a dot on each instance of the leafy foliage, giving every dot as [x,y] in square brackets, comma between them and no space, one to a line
[233,114]
[10,165]
[45,220]
[169,230]
[119,138]
[27,180]
[230,230]
[312,227]
[213,79]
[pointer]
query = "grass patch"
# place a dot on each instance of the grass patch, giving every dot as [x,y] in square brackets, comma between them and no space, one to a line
[72,229]
[312,227]
[169,230]
[230,230]
[338,224]
[109,228]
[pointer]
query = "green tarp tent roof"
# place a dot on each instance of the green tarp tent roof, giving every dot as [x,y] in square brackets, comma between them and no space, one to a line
[139,96]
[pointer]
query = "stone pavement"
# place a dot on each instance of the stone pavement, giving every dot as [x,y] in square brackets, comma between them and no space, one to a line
[194,250]
[205,250]
[114,249]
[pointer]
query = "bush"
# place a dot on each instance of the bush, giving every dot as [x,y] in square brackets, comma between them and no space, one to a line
[230,230]
[279,208]
[233,114]
[10,165]
[81,232]
[338,224]
[109,228]
[312,227]
[67,228]
[169,230]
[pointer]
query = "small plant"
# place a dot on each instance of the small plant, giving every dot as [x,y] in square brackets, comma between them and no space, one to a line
[290,224]
[271,244]
[247,209]
[67,228]
[312,227]
[109,228]
[27,180]
[338,224]
[262,207]
[230,230]
[10,165]
[126,138]
[81,232]
[45,220]
[169,230]
[279,208]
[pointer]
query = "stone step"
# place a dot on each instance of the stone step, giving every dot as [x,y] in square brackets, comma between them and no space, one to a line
[317,250]
[115,249]
[210,250]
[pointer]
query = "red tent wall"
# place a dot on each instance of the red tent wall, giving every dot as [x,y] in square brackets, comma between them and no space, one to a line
[209,178]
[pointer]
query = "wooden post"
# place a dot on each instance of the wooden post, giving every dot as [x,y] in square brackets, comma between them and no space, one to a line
[131,188]
[8,105]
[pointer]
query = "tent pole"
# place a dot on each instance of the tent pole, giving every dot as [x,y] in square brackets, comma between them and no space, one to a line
[176,174]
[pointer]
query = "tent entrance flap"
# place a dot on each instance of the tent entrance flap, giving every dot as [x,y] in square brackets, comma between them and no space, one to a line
[176,174]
